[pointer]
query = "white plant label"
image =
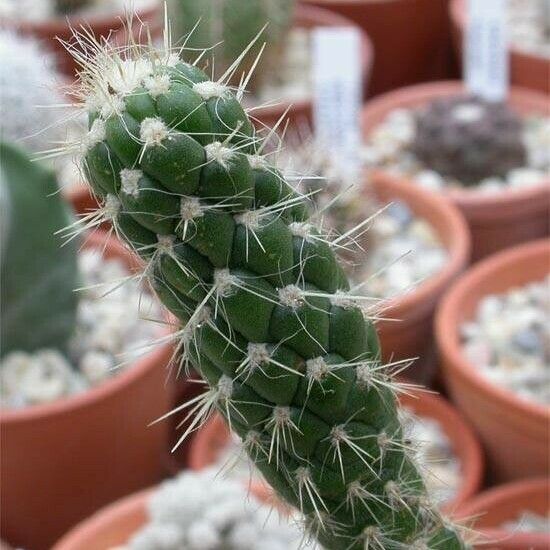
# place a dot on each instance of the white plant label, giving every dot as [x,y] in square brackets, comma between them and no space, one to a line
[337,98]
[486,49]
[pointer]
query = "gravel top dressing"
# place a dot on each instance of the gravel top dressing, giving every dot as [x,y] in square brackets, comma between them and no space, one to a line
[110,331]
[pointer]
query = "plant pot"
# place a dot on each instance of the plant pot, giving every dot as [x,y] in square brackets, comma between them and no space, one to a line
[408,331]
[526,69]
[411,39]
[505,503]
[61,461]
[497,220]
[514,431]
[112,526]
[310,17]
[106,26]
[214,436]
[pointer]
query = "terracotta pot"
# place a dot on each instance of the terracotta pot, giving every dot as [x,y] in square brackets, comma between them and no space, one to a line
[514,431]
[408,332]
[63,460]
[506,503]
[526,69]
[309,17]
[411,39]
[497,220]
[101,26]
[113,526]
[213,438]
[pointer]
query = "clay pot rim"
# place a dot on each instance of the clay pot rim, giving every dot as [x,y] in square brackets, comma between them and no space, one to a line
[64,405]
[447,333]
[457,12]
[419,94]
[464,443]
[311,16]
[507,492]
[99,21]
[458,247]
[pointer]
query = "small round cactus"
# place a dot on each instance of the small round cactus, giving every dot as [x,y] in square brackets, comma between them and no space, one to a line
[290,359]
[469,139]
[201,511]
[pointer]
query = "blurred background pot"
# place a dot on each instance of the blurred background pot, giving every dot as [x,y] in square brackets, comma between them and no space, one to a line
[214,437]
[300,111]
[507,503]
[499,219]
[513,430]
[527,69]
[411,38]
[408,332]
[61,461]
[104,25]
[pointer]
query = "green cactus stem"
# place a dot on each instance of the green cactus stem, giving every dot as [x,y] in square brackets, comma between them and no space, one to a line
[268,319]
[227,27]
[39,276]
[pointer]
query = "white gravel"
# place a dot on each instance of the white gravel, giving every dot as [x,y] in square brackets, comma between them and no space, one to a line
[508,340]
[529,26]
[111,329]
[529,522]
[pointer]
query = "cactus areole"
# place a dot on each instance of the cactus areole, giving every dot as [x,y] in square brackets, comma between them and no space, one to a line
[268,320]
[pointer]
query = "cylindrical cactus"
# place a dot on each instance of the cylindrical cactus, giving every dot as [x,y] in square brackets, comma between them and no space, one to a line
[268,320]
[39,276]
[226,28]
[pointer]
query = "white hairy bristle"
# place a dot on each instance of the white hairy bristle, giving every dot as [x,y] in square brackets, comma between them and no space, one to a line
[220,153]
[281,416]
[291,296]
[111,208]
[165,244]
[363,374]
[257,162]
[341,299]
[338,434]
[157,84]
[153,131]
[250,219]
[301,229]
[258,354]
[317,368]
[113,105]
[224,282]
[209,89]
[302,475]
[129,180]
[225,388]
[190,208]
[95,135]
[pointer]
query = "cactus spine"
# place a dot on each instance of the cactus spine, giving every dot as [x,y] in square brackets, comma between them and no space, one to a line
[231,25]
[268,319]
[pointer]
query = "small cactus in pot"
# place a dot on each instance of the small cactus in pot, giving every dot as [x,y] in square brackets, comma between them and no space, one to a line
[267,318]
[227,27]
[469,138]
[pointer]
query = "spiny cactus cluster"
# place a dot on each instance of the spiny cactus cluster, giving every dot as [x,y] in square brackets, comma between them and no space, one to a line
[469,138]
[230,26]
[268,320]
[38,275]
[30,105]
[200,511]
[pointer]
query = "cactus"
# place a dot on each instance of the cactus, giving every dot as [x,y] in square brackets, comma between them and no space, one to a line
[469,139]
[290,360]
[29,105]
[38,275]
[67,7]
[199,511]
[230,26]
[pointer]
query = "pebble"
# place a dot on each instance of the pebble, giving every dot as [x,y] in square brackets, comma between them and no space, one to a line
[529,26]
[112,325]
[508,340]
[388,148]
